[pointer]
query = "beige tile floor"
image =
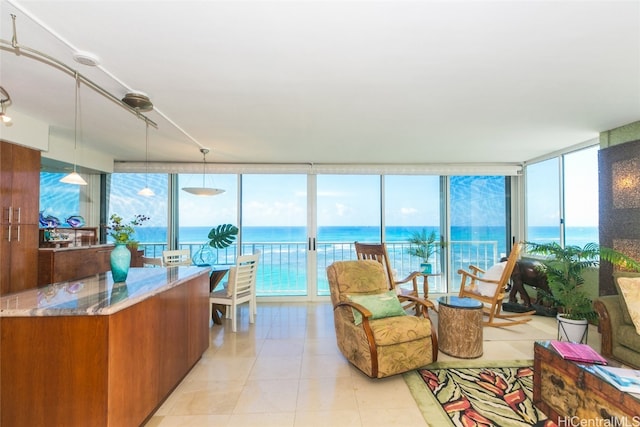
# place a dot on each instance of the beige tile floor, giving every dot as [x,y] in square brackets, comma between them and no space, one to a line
[286,370]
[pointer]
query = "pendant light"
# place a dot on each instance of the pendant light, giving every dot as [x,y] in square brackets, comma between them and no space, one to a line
[203,191]
[146,191]
[4,101]
[74,177]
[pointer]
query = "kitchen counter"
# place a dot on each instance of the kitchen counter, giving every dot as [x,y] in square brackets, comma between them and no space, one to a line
[95,295]
[91,352]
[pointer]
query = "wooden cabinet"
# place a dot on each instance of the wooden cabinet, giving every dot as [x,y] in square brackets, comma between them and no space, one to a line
[19,198]
[63,264]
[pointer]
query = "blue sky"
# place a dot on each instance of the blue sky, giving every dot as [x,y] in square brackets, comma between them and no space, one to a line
[344,200]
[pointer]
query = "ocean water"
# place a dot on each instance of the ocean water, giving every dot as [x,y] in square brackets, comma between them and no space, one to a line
[575,235]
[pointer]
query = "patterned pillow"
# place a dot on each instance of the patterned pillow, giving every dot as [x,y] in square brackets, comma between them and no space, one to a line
[630,288]
[381,305]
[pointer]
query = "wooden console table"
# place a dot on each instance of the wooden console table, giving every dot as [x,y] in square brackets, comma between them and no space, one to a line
[566,390]
[88,352]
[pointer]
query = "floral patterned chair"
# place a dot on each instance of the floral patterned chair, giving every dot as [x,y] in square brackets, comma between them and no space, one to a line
[373,332]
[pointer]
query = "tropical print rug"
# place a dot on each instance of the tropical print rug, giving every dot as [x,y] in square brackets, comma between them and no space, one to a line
[482,396]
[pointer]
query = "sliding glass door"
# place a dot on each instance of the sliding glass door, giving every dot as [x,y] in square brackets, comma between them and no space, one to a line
[348,210]
[412,205]
[199,214]
[478,223]
[274,216]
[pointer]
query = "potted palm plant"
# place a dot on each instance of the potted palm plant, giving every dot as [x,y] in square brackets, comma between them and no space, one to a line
[564,268]
[424,245]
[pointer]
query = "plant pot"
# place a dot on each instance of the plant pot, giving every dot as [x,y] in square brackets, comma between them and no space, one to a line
[426,267]
[572,330]
[120,260]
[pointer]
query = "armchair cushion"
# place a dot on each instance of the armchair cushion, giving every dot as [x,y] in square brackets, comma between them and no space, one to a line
[616,276]
[399,329]
[630,290]
[385,304]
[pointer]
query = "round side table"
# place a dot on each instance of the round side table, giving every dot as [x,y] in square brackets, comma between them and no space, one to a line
[460,327]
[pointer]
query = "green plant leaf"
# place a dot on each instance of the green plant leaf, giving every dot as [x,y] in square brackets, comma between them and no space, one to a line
[423,245]
[564,268]
[222,236]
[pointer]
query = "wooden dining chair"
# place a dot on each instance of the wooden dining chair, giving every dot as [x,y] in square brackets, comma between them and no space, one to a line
[378,252]
[176,257]
[240,289]
[491,290]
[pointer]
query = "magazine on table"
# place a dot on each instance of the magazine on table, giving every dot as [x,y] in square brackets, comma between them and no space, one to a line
[578,352]
[627,380]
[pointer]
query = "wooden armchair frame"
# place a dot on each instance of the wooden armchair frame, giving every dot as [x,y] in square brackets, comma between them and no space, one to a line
[493,303]
[378,252]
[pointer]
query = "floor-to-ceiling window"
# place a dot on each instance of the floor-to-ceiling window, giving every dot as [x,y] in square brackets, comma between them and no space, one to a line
[478,223]
[348,210]
[543,201]
[562,198]
[412,205]
[302,223]
[197,215]
[581,197]
[274,215]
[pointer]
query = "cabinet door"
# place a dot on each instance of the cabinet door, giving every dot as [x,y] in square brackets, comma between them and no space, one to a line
[26,185]
[5,259]
[19,198]
[6,179]
[24,258]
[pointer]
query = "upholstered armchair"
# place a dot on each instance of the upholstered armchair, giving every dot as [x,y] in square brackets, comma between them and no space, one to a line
[373,332]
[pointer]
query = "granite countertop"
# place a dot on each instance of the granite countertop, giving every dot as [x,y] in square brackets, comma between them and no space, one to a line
[96,295]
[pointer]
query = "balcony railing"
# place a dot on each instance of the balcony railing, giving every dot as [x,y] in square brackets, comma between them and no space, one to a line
[283,265]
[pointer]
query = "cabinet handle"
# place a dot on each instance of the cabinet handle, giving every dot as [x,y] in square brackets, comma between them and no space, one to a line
[9,233]
[18,221]
[18,233]
[9,214]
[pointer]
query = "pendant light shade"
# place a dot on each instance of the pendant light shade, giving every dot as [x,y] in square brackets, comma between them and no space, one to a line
[203,191]
[5,100]
[74,177]
[146,191]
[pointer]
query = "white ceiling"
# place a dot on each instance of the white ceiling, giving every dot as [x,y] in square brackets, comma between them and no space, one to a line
[388,82]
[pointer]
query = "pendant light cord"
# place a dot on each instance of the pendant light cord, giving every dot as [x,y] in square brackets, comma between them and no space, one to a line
[75,123]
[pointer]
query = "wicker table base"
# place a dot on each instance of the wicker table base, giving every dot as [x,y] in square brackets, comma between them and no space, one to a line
[460,327]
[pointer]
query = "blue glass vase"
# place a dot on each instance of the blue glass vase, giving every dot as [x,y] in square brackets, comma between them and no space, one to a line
[120,261]
[205,256]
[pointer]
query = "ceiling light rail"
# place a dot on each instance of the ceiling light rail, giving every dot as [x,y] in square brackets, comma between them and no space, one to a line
[104,70]
[41,56]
